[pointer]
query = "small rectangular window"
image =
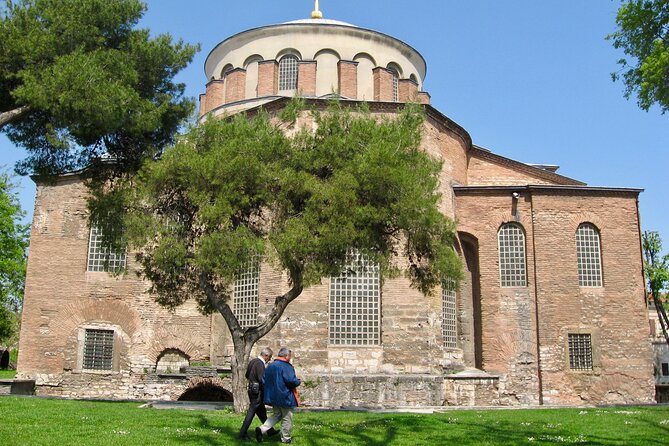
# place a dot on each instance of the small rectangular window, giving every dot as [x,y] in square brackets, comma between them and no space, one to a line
[98,349]
[580,351]
[665,369]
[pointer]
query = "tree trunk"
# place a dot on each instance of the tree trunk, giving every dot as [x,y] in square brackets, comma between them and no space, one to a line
[240,362]
[8,116]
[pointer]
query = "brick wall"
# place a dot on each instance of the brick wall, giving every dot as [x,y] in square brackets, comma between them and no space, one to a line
[235,85]
[268,72]
[306,78]
[215,94]
[348,78]
[383,84]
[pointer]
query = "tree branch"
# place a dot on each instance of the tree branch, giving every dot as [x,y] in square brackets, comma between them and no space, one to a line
[280,304]
[223,308]
[8,116]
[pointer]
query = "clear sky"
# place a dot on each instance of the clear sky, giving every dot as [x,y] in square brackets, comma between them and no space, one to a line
[528,79]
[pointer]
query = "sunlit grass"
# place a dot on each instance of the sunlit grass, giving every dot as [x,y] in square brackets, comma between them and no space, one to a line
[36,421]
[7,374]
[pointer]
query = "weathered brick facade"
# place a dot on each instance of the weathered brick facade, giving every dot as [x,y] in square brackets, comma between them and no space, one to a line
[511,345]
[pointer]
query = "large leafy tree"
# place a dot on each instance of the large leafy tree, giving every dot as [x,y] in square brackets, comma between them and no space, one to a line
[239,188]
[79,82]
[13,245]
[643,34]
[656,268]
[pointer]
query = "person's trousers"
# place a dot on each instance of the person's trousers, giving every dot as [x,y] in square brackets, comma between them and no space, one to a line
[283,414]
[256,407]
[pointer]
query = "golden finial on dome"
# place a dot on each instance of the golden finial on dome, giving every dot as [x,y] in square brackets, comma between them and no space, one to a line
[316,13]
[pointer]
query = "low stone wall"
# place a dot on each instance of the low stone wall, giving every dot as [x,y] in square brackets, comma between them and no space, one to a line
[17,387]
[348,390]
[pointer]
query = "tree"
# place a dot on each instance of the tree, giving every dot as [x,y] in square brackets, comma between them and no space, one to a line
[13,245]
[643,34]
[79,83]
[656,268]
[241,188]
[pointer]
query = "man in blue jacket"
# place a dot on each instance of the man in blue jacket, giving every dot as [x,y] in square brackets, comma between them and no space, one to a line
[280,386]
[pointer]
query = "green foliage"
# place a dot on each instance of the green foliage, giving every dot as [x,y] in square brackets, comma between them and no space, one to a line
[93,86]
[45,422]
[13,245]
[236,188]
[655,265]
[643,34]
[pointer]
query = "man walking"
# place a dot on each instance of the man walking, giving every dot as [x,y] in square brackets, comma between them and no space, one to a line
[280,385]
[254,374]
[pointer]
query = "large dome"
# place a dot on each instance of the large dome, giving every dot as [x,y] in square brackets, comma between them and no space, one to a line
[312,58]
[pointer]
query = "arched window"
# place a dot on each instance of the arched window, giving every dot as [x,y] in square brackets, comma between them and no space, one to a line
[395,70]
[288,72]
[226,69]
[355,303]
[245,294]
[511,240]
[449,315]
[588,255]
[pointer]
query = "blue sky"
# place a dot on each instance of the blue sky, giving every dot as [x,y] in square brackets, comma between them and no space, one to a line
[527,79]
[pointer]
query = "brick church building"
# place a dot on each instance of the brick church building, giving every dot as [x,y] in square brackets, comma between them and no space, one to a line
[551,310]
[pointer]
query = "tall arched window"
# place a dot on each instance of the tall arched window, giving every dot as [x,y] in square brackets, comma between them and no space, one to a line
[245,294]
[355,303]
[288,72]
[449,326]
[395,70]
[512,270]
[588,255]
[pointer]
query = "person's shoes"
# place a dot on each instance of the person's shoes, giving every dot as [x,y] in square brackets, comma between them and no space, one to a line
[271,432]
[258,434]
[289,441]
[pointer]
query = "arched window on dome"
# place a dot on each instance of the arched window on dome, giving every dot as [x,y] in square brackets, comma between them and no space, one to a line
[288,70]
[226,69]
[588,256]
[512,268]
[395,70]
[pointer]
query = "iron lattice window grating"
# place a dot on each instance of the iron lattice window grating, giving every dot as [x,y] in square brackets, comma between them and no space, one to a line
[100,259]
[245,294]
[288,69]
[449,316]
[588,255]
[580,351]
[511,240]
[98,349]
[355,300]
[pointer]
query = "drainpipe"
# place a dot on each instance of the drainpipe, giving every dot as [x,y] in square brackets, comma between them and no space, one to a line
[536,299]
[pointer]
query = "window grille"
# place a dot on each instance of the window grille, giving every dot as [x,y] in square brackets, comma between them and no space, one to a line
[396,83]
[449,317]
[512,256]
[288,69]
[100,259]
[98,349]
[588,255]
[245,294]
[355,303]
[580,351]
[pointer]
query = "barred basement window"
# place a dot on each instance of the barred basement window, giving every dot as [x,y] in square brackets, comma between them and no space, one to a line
[245,294]
[100,259]
[588,256]
[511,240]
[98,349]
[288,70]
[355,300]
[580,351]
[449,321]
[665,369]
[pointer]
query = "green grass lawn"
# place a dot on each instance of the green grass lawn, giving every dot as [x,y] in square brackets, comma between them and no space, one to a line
[7,374]
[36,421]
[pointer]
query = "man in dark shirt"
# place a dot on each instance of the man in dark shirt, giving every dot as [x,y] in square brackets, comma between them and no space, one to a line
[254,374]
